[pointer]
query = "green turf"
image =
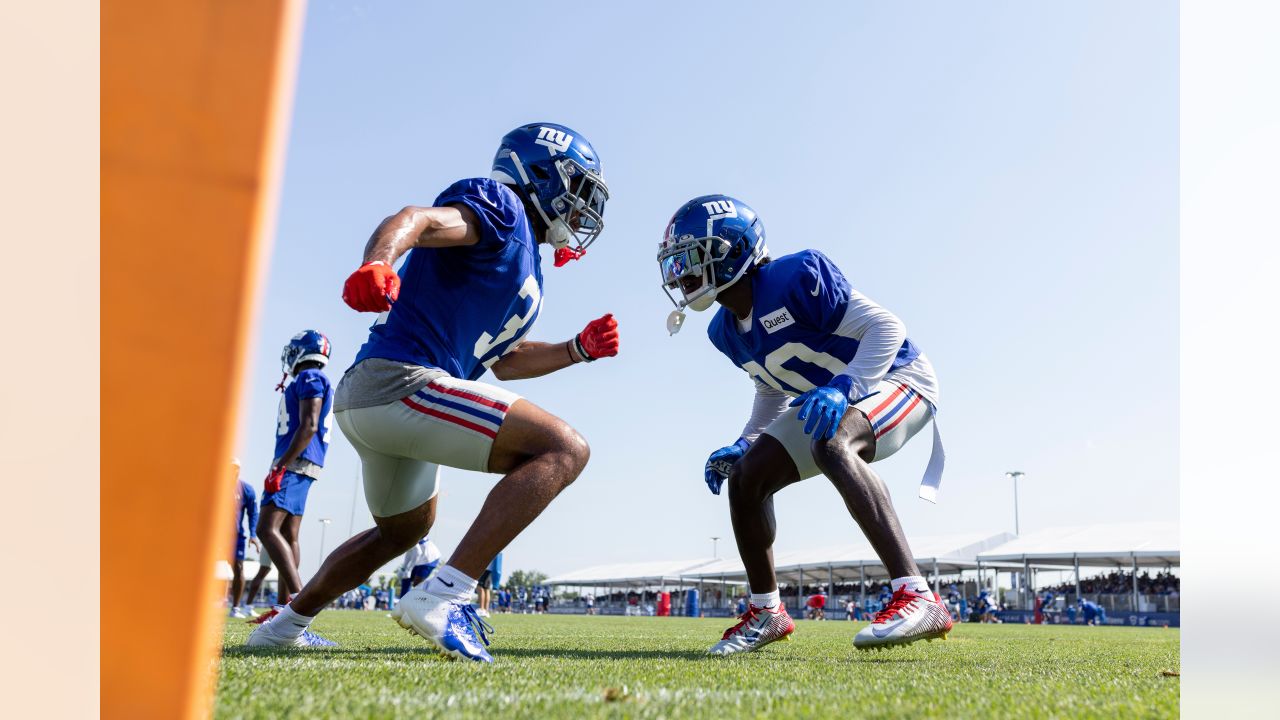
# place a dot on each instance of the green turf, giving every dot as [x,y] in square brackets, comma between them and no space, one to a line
[578,666]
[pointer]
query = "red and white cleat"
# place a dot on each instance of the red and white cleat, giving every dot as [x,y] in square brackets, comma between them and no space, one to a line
[757,627]
[908,617]
[265,617]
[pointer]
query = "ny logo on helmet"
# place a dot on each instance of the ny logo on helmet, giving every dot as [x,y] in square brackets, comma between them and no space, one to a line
[717,209]
[555,140]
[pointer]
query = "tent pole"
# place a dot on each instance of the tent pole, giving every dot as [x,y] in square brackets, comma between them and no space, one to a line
[1134,557]
[800,593]
[862,586]
[936,579]
[1075,558]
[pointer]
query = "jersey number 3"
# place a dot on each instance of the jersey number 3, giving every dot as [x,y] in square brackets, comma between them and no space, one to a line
[514,326]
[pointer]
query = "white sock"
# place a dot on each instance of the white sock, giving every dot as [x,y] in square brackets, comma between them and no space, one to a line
[451,584]
[289,623]
[914,583]
[766,600]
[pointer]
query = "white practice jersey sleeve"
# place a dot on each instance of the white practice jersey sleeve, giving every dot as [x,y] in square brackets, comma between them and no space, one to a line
[430,555]
[767,406]
[406,568]
[879,334]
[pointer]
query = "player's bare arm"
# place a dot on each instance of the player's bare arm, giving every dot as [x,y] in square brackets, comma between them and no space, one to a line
[412,227]
[309,424]
[535,359]
[375,285]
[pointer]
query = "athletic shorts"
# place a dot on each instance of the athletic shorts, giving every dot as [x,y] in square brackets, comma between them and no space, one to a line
[238,554]
[486,580]
[401,444]
[292,495]
[896,411]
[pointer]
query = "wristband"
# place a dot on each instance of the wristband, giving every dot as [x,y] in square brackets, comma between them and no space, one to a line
[582,353]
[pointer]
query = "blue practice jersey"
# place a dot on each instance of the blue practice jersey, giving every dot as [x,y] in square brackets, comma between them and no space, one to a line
[246,507]
[310,383]
[798,303]
[462,308]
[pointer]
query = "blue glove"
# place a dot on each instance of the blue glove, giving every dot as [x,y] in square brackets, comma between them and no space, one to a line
[824,407]
[721,462]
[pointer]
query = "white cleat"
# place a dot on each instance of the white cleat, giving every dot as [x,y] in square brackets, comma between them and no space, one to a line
[908,617]
[265,636]
[756,628]
[453,628]
[236,612]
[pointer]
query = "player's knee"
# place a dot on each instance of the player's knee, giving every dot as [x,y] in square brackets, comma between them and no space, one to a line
[571,453]
[746,482]
[828,453]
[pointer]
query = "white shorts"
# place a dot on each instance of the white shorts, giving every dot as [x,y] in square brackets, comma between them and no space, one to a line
[402,444]
[896,411]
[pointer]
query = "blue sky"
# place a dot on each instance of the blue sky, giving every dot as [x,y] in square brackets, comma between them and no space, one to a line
[1002,176]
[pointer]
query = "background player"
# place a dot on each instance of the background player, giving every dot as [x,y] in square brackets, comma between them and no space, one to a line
[419,562]
[471,291]
[246,509]
[489,579]
[302,439]
[798,329]
[255,584]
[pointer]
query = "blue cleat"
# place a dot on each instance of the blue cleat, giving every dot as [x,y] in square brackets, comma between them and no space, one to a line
[453,628]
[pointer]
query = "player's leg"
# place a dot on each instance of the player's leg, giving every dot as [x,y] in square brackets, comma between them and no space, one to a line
[845,460]
[539,455]
[237,585]
[765,469]
[271,534]
[401,494]
[291,528]
[355,560]
[874,430]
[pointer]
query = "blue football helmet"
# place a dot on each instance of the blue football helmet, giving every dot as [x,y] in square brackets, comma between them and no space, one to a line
[710,243]
[559,172]
[306,345]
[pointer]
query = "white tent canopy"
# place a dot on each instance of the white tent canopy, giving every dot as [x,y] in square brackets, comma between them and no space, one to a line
[1142,544]
[635,574]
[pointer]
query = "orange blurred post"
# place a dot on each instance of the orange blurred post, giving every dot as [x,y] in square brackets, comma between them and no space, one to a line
[195,100]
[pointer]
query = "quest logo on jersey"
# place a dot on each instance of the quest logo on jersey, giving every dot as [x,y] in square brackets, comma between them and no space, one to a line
[556,140]
[776,320]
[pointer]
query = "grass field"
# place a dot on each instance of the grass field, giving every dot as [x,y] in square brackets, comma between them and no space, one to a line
[578,666]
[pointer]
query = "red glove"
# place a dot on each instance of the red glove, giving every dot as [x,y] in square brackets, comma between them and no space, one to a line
[274,478]
[372,288]
[599,339]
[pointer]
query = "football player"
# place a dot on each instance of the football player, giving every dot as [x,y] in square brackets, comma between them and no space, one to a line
[470,292]
[246,509]
[302,440]
[838,386]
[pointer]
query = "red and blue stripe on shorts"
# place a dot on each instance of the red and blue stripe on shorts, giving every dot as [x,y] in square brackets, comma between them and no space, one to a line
[460,407]
[894,409]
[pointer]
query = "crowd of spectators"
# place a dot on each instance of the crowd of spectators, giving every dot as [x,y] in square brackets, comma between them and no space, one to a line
[1121,583]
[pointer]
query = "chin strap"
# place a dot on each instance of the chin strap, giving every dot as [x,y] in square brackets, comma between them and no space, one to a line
[565,254]
[283,377]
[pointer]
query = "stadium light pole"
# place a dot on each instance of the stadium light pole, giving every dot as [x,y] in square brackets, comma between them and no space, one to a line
[1016,475]
[324,523]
